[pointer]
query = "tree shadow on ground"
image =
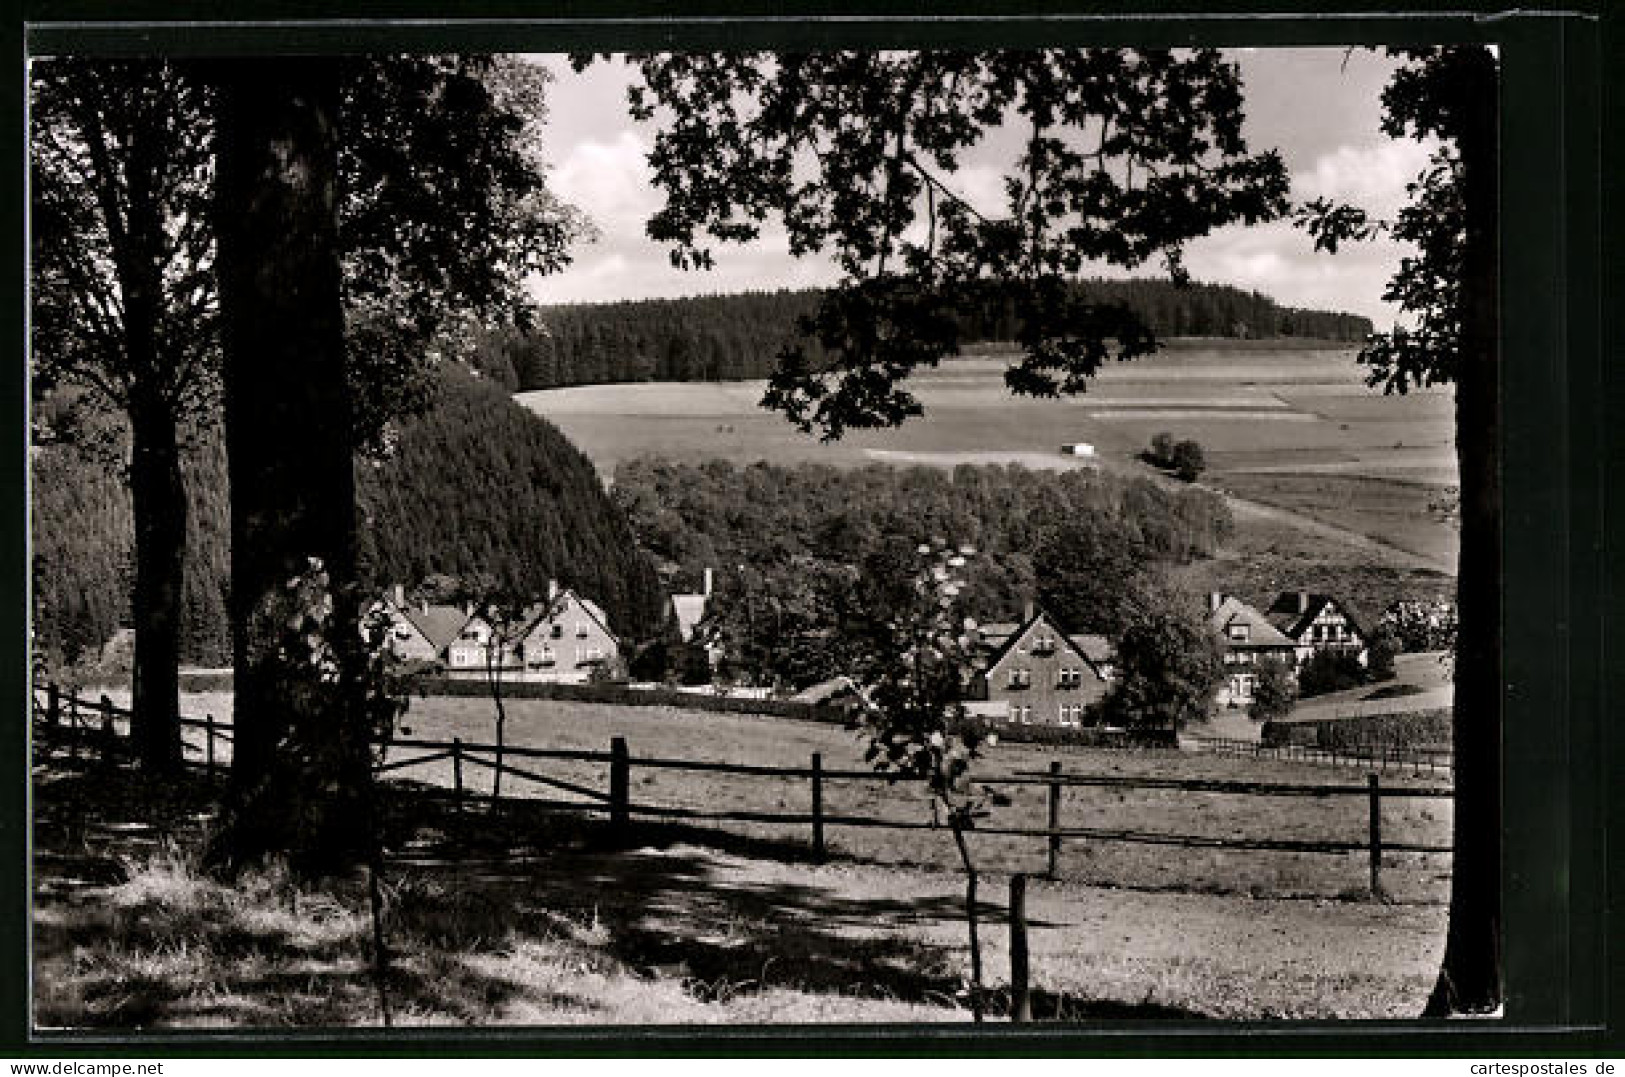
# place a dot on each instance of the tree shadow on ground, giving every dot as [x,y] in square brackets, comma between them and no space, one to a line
[667,911]
[468,890]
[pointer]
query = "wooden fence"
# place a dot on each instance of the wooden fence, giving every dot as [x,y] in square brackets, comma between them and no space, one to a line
[617,802]
[1383,760]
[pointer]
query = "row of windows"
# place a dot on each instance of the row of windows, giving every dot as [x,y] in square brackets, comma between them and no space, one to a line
[1071,714]
[1067,677]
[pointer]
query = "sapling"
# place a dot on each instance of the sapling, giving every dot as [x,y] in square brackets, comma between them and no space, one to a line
[920,658]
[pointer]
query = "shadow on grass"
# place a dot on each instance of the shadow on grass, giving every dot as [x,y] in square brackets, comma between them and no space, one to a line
[523,906]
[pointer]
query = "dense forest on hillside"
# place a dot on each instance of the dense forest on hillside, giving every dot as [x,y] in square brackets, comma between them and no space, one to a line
[478,485]
[763,516]
[735,337]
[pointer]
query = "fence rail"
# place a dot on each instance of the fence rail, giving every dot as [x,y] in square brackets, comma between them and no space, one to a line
[59,713]
[1416,761]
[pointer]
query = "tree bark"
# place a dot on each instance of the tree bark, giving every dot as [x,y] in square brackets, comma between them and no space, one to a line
[158,498]
[289,447]
[1470,979]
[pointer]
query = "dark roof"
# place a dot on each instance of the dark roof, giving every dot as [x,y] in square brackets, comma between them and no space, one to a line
[1294,611]
[439,624]
[1003,647]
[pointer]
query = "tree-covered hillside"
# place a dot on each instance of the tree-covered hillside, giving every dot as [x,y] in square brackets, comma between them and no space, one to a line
[716,515]
[477,486]
[734,337]
[481,486]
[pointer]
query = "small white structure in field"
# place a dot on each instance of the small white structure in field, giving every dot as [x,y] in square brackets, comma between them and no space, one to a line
[1078,448]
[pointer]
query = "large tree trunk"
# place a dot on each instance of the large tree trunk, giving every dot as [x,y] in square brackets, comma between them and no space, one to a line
[294,778]
[158,498]
[1470,980]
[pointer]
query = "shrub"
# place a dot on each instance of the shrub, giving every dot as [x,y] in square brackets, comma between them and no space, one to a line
[1188,460]
[1329,671]
[1162,450]
[1275,691]
[1379,661]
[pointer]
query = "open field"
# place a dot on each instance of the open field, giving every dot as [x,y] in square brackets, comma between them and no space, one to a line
[1289,425]
[1247,404]
[671,733]
[528,918]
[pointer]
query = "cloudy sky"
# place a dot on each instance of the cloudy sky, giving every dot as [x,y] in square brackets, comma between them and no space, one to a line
[1319,107]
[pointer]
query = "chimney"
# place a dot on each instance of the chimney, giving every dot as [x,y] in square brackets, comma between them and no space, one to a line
[706,590]
[1215,599]
[1026,611]
[468,608]
[552,589]
[1303,601]
[400,597]
[423,606]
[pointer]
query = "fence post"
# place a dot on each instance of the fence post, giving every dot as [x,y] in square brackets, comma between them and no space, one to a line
[620,785]
[1021,1007]
[208,745]
[1054,818]
[1375,827]
[818,806]
[457,772]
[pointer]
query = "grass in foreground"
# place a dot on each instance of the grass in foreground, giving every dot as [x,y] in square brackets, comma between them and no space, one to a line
[531,919]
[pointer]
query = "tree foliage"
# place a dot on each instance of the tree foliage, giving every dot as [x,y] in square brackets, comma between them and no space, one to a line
[1274,692]
[1448,292]
[1126,156]
[734,337]
[1170,662]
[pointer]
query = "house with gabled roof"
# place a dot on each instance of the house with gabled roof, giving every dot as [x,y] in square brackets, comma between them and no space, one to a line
[420,631]
[1317,623]
[1035,674]
[1249,639]
[567,640]
[562,639]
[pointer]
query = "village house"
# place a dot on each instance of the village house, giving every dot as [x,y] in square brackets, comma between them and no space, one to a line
[1249,639]
[562,639]
[568,639]
[420,631]
[1317,623]
[1035,674]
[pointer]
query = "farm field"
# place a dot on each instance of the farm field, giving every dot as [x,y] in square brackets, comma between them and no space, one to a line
[1290,425]
[1247,404]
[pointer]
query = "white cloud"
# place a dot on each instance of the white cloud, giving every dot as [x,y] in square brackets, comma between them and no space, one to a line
[1370,176]
[609,181]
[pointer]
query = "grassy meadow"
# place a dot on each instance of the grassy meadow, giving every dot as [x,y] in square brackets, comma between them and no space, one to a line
[532,918]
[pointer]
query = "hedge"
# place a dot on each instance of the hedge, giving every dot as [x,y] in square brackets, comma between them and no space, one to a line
[1408,729]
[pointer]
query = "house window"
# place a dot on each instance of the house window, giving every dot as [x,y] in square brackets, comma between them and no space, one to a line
[581,630]
[1043,644]
[1238,632]
[1022,714]
[1021,678]
[556,631]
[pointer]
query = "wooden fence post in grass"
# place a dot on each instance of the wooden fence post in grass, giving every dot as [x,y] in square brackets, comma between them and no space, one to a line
[1054,819]
[620,786]
[457,773]
[818,806]
[1021,1006]
[1375,827]
[53,705]
[208,745]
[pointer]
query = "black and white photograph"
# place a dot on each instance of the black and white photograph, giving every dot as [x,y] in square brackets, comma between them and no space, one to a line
[764,537]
